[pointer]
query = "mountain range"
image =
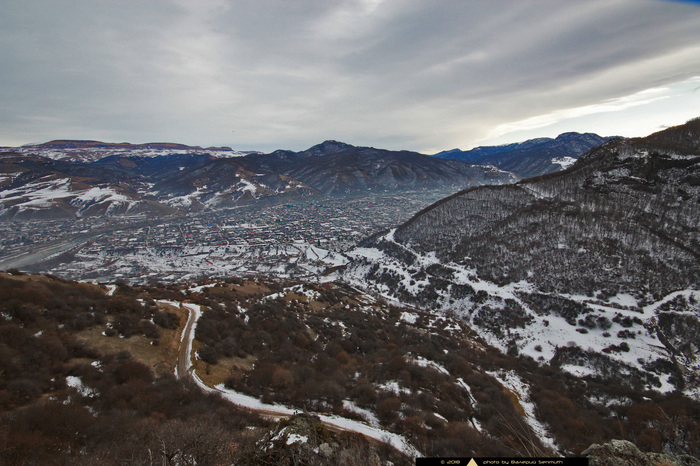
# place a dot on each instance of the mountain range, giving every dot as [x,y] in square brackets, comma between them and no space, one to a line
[92,151]
[533,157]
[78,178]
[337,168]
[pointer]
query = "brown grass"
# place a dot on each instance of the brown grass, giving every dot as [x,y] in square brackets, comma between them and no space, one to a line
[515,401]
[161,359]
[250,288]
[224,369]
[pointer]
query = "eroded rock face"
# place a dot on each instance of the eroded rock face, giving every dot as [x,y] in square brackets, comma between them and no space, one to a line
[624,453]
[304,439]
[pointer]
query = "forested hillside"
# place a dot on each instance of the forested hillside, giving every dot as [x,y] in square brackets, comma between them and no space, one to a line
[626,218]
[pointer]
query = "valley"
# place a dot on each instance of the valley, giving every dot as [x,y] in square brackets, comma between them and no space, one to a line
[525,318]
[299,239]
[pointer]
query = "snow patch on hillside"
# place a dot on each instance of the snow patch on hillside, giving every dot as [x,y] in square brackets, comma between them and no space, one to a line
[38,195]
[77,383]
[513,382]
[45,194]
[564,162]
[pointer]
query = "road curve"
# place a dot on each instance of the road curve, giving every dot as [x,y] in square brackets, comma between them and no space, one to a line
[184,370]
[184,354]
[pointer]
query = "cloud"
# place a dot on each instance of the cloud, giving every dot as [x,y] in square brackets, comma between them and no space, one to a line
[393,73]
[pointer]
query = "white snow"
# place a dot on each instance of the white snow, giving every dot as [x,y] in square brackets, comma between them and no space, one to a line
[247,401]
[99,195]
[44,193]
[427,363]
[200,288]
[248,186]
[39,194]
[564,162]
[624,299]
[187,200]
[77,383]
[368,415]
[390,236]
[578,371]
[392,386]
[296,438]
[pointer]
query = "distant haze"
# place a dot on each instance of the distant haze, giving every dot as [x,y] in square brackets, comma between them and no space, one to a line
[405,74]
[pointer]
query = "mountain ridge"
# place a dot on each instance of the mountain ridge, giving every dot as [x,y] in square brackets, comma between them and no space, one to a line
[333,167]
[532,157]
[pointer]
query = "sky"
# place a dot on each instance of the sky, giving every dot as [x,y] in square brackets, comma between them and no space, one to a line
[422,75]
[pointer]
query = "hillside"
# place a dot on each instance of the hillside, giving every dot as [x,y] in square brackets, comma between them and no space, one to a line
[593,269]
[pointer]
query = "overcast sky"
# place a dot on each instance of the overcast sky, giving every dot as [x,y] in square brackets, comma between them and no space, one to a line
[422,75]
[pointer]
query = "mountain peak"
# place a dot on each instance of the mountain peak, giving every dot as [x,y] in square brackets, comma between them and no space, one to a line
[327,147]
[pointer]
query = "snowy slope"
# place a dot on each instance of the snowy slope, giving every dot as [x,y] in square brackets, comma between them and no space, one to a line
[622,335]
[594,269]
[69,197]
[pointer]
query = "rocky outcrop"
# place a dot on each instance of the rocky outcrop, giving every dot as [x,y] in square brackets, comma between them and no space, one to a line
[624,453]
[304,439]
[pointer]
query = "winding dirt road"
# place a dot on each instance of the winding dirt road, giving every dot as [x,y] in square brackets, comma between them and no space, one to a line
[184,370]
[184,358]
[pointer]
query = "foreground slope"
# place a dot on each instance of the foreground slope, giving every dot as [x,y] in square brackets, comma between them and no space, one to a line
[595,268]
[93,378]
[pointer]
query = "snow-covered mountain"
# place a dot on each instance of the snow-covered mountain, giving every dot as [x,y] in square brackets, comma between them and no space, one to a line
[34,187]
[595,269]
[533,157]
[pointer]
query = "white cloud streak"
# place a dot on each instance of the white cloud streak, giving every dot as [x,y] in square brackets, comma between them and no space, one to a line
[642,98]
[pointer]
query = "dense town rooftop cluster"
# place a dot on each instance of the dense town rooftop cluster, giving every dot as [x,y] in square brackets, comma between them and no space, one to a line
[241,240]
